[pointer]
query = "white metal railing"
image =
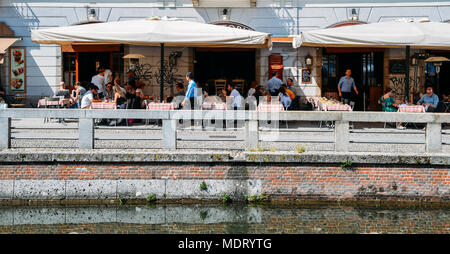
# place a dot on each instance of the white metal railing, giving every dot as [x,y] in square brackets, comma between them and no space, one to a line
[251,120]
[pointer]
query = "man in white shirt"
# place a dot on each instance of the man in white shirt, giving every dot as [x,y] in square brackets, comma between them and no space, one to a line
[88,97]
[273,85]
[107,76]
[237,98]
[99,81]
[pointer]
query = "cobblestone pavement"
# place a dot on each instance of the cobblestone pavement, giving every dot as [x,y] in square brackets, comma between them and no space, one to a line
[30,133]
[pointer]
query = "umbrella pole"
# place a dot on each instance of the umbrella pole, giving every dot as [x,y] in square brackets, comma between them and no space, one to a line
[407,73]
[161,83]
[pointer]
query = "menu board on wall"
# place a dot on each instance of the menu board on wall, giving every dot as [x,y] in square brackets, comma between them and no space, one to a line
[306,75]
[17,69]
[397,66]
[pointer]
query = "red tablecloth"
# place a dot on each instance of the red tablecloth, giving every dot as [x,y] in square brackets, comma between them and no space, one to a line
[270,107]
[415,109]
[62,102]
[214,106]
[103,105]
[160,106]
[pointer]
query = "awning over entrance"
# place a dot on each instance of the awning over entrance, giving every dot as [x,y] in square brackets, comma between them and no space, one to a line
[5,43]
[153,32]
[401,33]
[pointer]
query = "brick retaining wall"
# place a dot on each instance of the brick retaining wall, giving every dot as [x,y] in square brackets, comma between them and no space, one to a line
[279,181]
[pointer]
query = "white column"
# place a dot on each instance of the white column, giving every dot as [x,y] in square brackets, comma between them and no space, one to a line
[434,138]
[341,136]
[169,131]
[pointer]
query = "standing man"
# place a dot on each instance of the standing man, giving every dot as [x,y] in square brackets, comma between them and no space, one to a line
[429,100]
[345,85]
[191,92]
[99,81]
[107,77]
[273,85]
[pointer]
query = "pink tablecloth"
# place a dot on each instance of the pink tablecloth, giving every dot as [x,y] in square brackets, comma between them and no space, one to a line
[103,105]
[336,107]
[161,106]
[43,103]
[415,109]
[270,107]
[214,106]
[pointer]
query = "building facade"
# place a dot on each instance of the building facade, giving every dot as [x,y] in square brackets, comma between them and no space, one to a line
[373,69]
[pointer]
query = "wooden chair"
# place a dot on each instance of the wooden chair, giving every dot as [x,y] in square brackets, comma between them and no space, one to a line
[18,101]
[240,83]
[220,84]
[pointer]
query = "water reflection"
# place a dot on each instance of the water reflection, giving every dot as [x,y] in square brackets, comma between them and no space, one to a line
[236,219]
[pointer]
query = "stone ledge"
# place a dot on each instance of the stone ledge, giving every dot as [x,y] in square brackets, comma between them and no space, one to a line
[170,156]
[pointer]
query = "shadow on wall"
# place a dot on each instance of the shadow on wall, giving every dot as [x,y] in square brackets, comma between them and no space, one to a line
[22,18]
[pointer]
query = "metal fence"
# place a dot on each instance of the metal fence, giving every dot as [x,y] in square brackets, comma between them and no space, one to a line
[251,121]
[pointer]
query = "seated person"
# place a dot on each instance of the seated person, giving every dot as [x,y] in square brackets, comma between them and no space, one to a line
[294,101]
[429,100]
[259,91]
[284,97]
[89,96]
[179,94]
[109,93]
[252,89]
[80,90]
[63,91]
[388,104]
[223,95]
[119,97]
[117,84]
[133,100]
[237,98]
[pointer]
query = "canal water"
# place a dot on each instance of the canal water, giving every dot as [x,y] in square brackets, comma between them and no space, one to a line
[211,219]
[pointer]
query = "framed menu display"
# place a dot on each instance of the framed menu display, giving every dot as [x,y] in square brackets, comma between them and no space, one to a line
[306,75]
[17,80]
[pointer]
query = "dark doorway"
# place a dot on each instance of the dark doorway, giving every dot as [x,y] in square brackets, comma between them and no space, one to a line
[228,64]
[367,71]
[89,61]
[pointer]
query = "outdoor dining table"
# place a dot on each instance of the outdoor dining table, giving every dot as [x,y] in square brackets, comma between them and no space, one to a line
[45,103]
[103,105]
[412,108]
[336,107]
[330,105]
[160,106]
[214,106]
[270,107]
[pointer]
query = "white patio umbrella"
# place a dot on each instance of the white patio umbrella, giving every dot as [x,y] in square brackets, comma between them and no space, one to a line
[404,33]
[392,34]
[154,32]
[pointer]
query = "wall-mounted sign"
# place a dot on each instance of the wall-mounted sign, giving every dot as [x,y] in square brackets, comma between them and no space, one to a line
[233,25]
[306,75]
[17,75]
[397,66]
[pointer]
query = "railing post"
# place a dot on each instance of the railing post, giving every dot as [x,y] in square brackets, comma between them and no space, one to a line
[341,136]
[86,133]
[433,138]
[169,137]
[5,132]
[251,134]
